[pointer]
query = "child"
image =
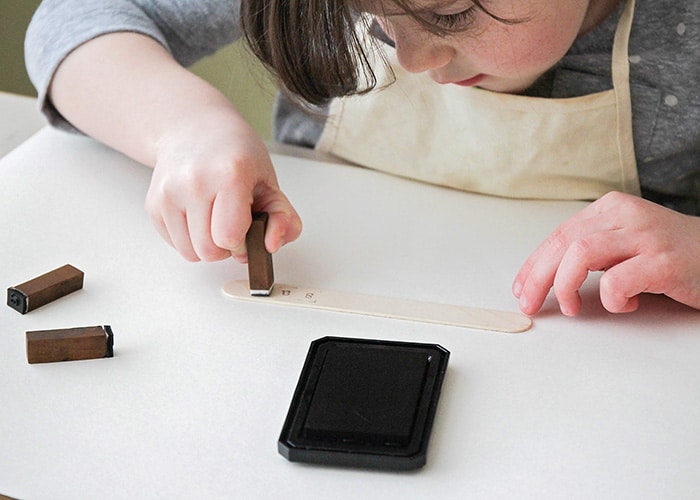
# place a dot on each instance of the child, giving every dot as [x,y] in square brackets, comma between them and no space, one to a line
[526,98]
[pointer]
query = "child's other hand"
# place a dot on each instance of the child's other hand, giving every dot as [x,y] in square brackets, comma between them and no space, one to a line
[211,171]
[641,247]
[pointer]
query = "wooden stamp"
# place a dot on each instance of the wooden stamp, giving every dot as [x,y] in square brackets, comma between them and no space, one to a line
[45,288]
[261,277]
[70,344]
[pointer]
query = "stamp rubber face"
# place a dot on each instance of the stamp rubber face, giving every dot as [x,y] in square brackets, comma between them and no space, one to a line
[17,300]
[365,403]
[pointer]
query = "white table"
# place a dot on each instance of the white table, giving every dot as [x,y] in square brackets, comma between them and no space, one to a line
[191,406]
[19,119]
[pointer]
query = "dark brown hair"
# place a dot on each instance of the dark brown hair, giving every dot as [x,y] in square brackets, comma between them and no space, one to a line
[312,45]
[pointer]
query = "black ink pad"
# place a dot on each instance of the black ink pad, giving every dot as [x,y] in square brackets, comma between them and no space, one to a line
[364,403]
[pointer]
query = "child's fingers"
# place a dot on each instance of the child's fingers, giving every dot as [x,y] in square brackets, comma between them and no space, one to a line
[199,217]
[230,220]
[594,252]
[536,277]
[621,285]
[178,233]
[284,224]
[159,224]
[283,227]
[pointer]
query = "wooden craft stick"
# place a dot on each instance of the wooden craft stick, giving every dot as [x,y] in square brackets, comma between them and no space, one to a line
[261,277]
[45,288]
[70,344]
[387,307]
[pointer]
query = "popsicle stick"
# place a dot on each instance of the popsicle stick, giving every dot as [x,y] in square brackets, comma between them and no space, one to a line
[386,307]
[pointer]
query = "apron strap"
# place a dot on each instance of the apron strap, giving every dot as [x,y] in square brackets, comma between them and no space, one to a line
[621,84]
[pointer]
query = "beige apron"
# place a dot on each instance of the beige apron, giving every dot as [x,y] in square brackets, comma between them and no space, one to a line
[488,142]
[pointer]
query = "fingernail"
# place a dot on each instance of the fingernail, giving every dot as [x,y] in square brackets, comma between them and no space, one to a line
[517,288]
[523,303]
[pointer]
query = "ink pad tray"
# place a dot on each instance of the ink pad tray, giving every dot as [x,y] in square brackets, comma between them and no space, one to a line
[364,403]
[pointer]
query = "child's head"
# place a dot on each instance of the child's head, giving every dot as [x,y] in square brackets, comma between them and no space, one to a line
[500,45]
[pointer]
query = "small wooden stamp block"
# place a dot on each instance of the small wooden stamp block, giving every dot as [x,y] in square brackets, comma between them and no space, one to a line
[70,344]
[261,277]
[45,288]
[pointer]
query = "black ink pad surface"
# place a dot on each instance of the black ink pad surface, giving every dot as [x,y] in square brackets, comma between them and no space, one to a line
[364,403]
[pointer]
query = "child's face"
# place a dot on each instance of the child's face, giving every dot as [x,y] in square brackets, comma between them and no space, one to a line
[484,51]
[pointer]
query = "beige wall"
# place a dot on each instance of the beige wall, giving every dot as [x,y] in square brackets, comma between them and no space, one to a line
[231,70]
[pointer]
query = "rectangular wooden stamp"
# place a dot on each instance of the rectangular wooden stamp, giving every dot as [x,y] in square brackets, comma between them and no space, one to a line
[45,288]
[261,277]
[70,344]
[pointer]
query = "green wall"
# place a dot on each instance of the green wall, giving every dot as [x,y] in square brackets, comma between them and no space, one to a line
[14,17]
[232,70]
[241,77]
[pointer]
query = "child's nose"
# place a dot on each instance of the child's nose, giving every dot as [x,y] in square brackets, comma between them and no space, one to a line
[418,53]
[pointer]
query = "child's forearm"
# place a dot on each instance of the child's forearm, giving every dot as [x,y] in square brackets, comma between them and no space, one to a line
[127,91]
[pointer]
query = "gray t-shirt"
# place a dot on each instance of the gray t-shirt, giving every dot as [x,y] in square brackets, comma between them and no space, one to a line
[664,55]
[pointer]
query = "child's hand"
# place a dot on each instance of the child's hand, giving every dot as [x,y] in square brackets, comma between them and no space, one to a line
[210,172]
[641,247]
[210,168]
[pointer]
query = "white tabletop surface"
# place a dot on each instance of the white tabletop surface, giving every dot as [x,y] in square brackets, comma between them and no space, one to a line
[600,406]
[19,119]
